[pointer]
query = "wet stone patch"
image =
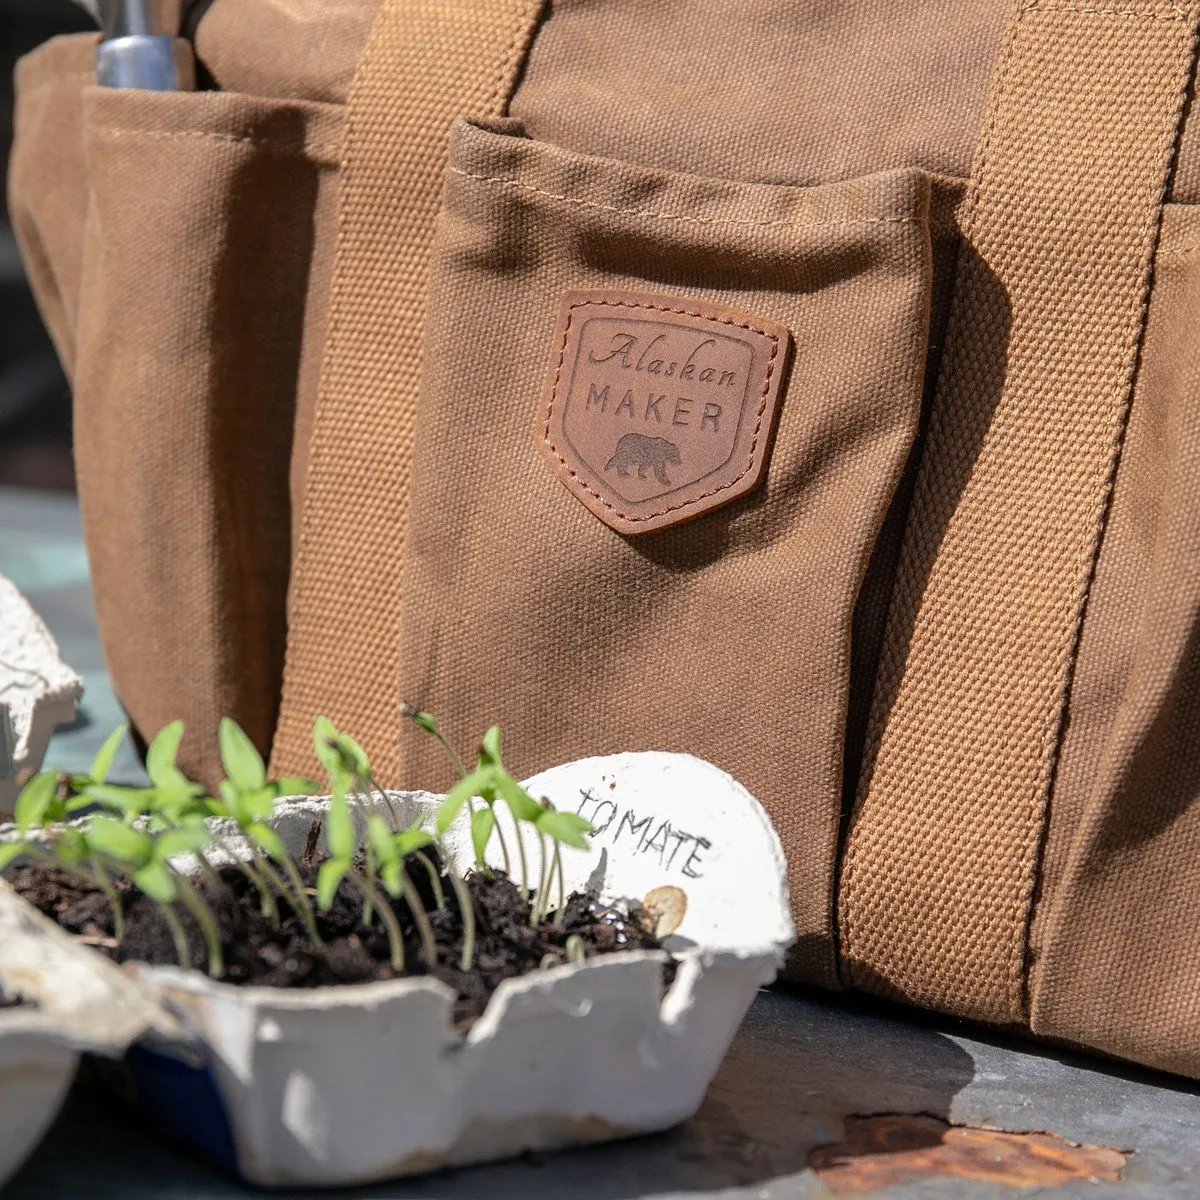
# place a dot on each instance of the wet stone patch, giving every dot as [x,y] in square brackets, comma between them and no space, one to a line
[879,1150]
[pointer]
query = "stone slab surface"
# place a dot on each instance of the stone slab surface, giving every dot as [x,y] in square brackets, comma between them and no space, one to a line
[802,1063]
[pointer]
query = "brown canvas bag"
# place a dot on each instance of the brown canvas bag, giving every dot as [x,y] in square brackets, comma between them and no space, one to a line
[811,391]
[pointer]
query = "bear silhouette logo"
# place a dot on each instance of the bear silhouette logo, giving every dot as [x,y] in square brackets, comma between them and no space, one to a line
[635,450]
[659,408]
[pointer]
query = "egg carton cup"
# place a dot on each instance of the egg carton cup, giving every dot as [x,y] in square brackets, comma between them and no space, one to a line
[38,691]
[352,1084]
[73,1001]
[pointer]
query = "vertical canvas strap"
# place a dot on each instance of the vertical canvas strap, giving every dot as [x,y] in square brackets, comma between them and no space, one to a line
[426,63]
[1022,448]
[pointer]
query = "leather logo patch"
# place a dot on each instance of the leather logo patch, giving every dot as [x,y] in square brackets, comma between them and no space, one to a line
[659,408]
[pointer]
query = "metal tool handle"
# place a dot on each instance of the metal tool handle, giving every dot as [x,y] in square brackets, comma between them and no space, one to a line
[142,48]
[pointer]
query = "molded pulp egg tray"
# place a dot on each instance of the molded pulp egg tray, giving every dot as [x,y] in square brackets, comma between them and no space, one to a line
[342,1085]
[71,1000]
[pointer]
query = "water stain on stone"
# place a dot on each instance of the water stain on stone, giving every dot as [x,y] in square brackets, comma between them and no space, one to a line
[884,1149]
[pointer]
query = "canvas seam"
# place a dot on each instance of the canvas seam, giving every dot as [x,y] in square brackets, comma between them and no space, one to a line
[762,404]
[668,216]
[1176,13]
[299,148]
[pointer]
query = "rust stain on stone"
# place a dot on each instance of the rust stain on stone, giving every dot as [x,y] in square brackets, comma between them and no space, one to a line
[881,1150]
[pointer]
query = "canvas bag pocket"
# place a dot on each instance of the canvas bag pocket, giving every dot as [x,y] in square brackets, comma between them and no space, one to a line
[179,246]
[728,635]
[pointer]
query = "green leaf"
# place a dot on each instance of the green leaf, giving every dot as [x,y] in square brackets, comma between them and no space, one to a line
[482,825]
[354,755]
[468,786]
[175,787]
[381,840]
[175,805]
[102,763]
[409,841]
[122,842]
[70,846]
[258,805]
[325,744]
[339,826]
[267,840]
[10,851]
[338,753]
[160,755]
[566,827]
[489,750]
[240,758]
[329,877]
[126,800]
[37,800]
[229,803]
[157,880]
[185,840]
[392,880]
[424,721]
[524,807]
[294,785]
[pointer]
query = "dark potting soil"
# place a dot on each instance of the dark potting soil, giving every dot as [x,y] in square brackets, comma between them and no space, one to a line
[257,952]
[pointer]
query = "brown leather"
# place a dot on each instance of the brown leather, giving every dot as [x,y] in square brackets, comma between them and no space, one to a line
[659,409]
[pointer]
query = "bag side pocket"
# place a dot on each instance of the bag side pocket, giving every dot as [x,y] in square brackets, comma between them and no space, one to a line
[196,324]
[47,178]
[728,635]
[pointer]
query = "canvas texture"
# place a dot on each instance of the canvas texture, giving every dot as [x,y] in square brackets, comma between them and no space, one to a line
[944,624]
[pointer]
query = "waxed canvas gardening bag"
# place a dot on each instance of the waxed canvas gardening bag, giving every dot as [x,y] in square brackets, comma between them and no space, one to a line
[811,388]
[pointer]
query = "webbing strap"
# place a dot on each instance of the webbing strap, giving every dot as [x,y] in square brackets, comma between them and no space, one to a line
[1010,502]
[426,63]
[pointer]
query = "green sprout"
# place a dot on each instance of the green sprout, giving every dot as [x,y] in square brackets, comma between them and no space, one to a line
[146,859]
[483,822]
[388,851]
[346,762]
[45,804]
[141,834]
[247,797]
[490,781]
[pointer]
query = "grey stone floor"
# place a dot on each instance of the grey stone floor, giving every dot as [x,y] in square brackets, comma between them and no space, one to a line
[800,1066]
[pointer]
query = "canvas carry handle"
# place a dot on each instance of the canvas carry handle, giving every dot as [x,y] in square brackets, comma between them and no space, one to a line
[1025,435]
[426,63]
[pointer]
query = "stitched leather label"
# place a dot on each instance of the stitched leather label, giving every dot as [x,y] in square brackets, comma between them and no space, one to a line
[659,408]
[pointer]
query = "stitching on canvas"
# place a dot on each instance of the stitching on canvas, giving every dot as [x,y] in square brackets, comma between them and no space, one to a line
[667,216]
[685,312]
[1064,6]
[241,139]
